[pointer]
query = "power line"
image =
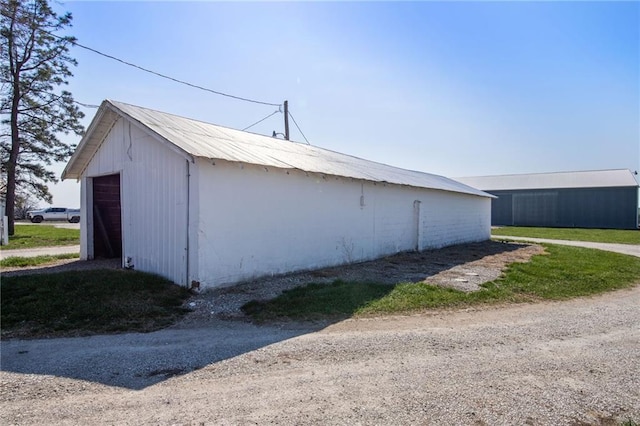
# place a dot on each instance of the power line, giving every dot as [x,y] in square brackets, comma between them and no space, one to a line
[298,127]
[240,98]
[260,121]
[163,75]
[87,105]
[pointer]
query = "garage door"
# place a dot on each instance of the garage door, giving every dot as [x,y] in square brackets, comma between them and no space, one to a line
[535,209]
[107,217]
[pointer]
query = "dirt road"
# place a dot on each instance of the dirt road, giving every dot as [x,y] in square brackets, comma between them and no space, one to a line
[573,363]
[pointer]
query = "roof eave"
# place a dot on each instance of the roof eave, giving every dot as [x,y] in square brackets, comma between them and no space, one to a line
[90,142]
[105,118]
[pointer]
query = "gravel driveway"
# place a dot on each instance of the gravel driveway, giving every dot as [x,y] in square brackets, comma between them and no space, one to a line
[574,362]
[39,251]
[630,249]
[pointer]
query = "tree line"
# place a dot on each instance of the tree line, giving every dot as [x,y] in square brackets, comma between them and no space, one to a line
[34,107]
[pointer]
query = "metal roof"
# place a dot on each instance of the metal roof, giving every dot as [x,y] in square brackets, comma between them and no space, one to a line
[199,139]
[584,179]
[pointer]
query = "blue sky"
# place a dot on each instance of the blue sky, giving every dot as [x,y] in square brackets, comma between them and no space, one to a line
[452,88]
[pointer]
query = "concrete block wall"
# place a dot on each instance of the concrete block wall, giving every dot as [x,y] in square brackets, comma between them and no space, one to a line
[454,219]
[255,221]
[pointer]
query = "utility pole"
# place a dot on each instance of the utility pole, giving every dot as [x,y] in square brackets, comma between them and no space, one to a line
[286,120]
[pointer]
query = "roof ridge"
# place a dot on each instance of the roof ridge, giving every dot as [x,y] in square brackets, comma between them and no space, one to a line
[547,173]
[270,138]
[114,103]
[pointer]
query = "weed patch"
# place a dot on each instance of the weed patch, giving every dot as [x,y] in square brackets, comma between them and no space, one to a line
[21,262]
[88,302]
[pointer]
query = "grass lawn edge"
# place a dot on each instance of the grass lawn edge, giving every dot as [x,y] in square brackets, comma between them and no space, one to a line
[591,272]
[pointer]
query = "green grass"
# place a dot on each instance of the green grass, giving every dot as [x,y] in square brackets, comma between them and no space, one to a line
[21,262]
[619,236]
[317,301]
[563,272]
[88,302]
[29,236]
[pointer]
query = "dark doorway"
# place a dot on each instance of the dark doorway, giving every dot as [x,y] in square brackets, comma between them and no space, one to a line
[107,221]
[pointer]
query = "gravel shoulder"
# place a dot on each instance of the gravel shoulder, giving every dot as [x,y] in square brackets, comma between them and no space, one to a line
[572,363]
[550,363]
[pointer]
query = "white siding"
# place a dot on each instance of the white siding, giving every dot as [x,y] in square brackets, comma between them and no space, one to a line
[246,220]
[255,221]
[86,221]
[153,198]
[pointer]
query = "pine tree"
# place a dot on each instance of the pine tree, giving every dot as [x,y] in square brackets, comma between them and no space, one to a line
[35,111]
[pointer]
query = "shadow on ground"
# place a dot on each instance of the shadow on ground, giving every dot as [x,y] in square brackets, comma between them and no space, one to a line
[63,266]
[136,360]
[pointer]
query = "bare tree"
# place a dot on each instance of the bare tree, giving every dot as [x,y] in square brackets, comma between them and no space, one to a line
[24,203]
[35,63]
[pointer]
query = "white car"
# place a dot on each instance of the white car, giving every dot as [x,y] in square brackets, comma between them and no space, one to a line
[54,213]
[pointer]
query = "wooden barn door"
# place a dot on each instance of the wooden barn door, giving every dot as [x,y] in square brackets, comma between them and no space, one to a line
[107,218]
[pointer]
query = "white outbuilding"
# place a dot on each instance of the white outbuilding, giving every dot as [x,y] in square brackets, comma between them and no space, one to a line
[193,201]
